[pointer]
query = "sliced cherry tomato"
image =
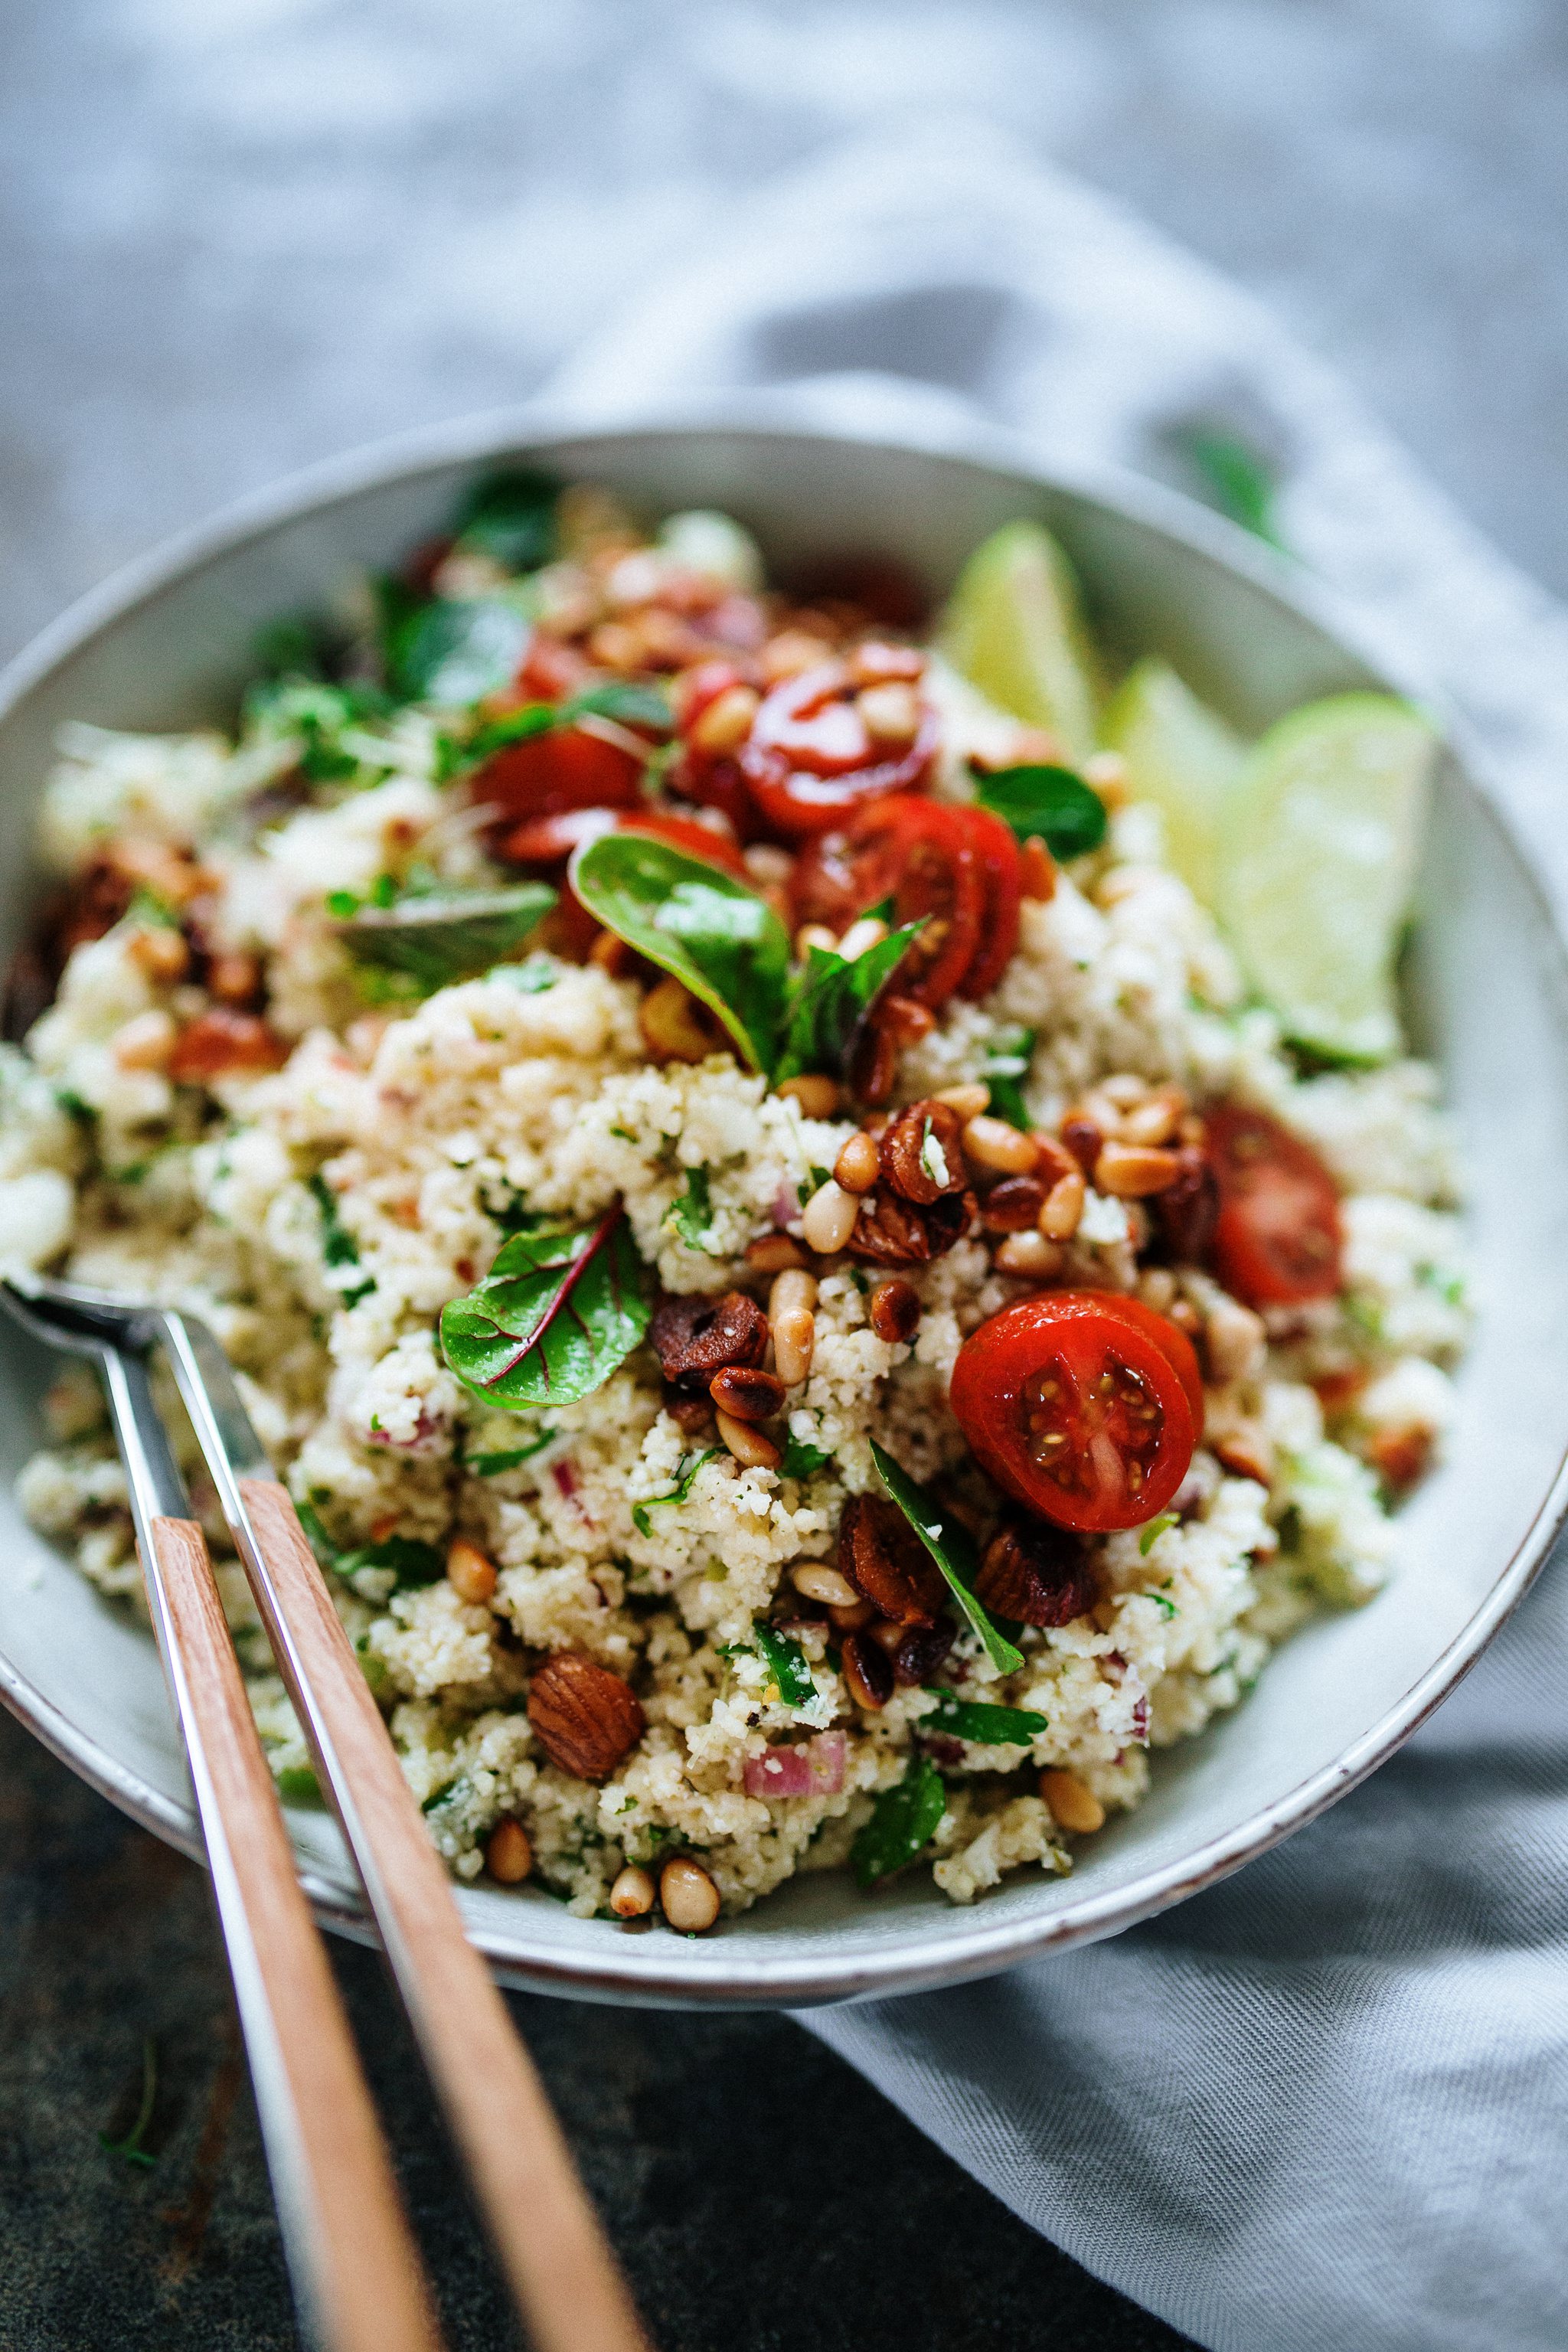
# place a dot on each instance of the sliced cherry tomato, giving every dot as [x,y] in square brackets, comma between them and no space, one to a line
[1278,1238]
[565,768]
[1179,1351]
[920,854]
[1075,1410]
[552,670]
[685,832]
[549,839]
[810,759]
[996,845]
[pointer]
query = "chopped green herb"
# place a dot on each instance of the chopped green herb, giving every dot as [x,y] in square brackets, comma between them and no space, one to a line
[558,1312]
[1162,1600]
[719,938]
[904,1820]
[447,1789]
[412,1561]
[933,1159]
[691,1213]
[1005,1069]
[1051,804]
[987,1726]
[621,699]
[830,999]
[320,716]
[130,2147]
[787,1664]
[685,1477]
[454,649]
[491,1465]
[1156,1529]
[800,1459]
[435,940]
[531,977]
[297,1785]
[812,1181]
[952,1546]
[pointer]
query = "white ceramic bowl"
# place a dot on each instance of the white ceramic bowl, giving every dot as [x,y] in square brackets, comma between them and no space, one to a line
[168,643]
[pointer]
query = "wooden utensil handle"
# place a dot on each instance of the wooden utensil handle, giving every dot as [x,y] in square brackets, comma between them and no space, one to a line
[354,2266]
[545,2232]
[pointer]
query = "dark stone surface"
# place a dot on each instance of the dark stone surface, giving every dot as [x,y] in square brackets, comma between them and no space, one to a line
[760,2194]
[238,237]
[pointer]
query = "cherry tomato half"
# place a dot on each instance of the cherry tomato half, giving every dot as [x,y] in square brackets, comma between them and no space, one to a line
[1173,1341]
[1075,1410]
[1278,1238]
[565,768]
[955,868]
[810,759]
[550,839]
[996,846]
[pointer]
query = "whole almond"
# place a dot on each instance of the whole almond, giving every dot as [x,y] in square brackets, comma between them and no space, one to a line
[584,1718]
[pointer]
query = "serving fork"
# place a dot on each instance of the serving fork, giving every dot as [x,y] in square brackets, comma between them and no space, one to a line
[352,2261]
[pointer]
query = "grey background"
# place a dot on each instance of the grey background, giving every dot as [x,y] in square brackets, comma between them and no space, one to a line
[240,235]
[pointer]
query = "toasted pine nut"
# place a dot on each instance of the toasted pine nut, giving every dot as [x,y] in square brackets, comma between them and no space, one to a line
[792,1290]
[161,952]
[992,1143]
[1038,876]
[1133,1170]
[891,712]
[670,1026]
[886,1634]
[610,953]
[727,721]
[768,865]
[820,1583]
[873,663]
[632,1896]
[1063,1207]
[745,1392]
[1154,1120]
[1157,1288]
[1122,1088]
[771,1252]
[1235,1341]
[508,1852]
[814,935]
[849,1618]
[1029,1254]
[234,979]
[1107,772]
[688,1895]
[795,1343]
[469,1573]
[1248,1452]
[828,1218]
[870,932]
[146,1042]
[818,1096]
[867,1669]
[893,1311]
[747,1445]
[857,1168]
[791,651]
[1073,1806]
[968,1100]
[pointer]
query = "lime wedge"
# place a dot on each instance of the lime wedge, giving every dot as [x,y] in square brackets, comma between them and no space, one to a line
[1015,629]
[1181,756]
[1321,832]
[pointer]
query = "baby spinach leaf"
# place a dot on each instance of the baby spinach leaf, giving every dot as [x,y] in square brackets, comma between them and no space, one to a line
[454,649]
[437,939]
[1005,1069]
[720,940]
[786,1663]
[952,1546]
[801,1459]
[491,1465]
[632,702]
[987,1726]
[691,1213]
[903,1819]
[558,1311]
[510,516]
[1053,802]
[831,998]
[678,1493]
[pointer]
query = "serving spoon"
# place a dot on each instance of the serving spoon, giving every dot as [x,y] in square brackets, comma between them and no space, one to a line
[544,2230]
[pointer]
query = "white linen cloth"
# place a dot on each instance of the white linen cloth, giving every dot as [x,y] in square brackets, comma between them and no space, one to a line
[1322,2107]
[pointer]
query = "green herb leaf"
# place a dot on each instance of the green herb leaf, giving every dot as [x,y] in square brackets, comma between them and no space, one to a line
[691,1213]
[1156,1529]
[319,715]
[786,1663]
[830,1000]
[628,701]
[454,649]
[903,1820]
[491,1465]
[338,1247]
[1162,1600]
[720,939]
[685,1479]
[510,516]
[558,1311]
[297,1785]
[439,939]
[1005,1069]
[952,1546]
[130,2147]
[801,1459]
[987,1726]
[412,1561]
[1240,483]
[1051,803]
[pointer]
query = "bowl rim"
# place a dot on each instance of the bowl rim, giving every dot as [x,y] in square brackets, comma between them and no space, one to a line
[911,1963]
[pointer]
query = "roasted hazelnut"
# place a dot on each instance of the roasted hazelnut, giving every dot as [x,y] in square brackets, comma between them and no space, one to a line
[583,1716]
[883,1557]
[895,1233]
[1037,1574]
[921,1153]
[694,1338]
[893,1310]
[1014,1206]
